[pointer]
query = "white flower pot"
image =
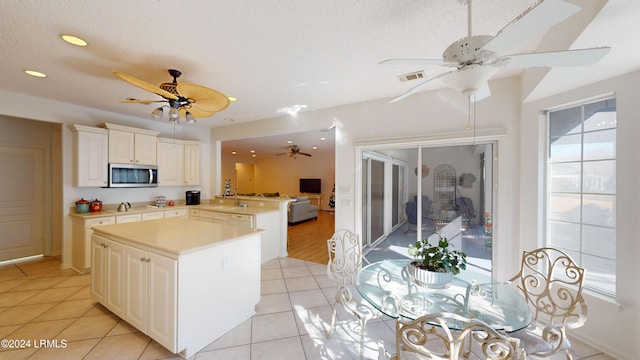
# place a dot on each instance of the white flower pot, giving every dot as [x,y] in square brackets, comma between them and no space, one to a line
[430,279]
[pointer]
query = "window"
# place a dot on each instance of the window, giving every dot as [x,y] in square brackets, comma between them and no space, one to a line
[581,189]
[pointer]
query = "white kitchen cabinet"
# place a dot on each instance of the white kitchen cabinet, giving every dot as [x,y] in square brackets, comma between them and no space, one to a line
[177,213]
[153,215]
[191,163]
[131,146]
[106,285]
[170,162]
[139,286]
[121,219]
[91,157]
[81,240]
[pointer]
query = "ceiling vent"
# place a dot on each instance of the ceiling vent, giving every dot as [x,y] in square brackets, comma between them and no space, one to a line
[411,76]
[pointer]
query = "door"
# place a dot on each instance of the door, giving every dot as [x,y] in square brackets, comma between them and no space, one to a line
[163,299]
[135,297]
[22,198]
[373,200]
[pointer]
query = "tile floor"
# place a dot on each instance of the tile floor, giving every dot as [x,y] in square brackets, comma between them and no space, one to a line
[38,301]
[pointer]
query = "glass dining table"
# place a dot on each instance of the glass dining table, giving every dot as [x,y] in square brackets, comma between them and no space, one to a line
[388,287]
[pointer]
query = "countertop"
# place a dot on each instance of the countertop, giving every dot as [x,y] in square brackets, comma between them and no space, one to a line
[174,235]
[147,209]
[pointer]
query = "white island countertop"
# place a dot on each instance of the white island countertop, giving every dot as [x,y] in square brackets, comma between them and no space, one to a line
[174,235]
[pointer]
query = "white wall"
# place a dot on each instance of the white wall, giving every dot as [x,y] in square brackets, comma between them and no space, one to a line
[621,319]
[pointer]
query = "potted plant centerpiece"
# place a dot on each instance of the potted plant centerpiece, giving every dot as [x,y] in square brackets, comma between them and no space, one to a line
[435,265]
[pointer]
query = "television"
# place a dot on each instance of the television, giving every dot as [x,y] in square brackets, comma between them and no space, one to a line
[312,186]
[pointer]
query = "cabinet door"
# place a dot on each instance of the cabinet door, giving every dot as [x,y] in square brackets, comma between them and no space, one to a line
[170,164]
[179,213]
[92,159]
[115,277]
[162,300]
[99,267]
[191,164]
[121,148]
[145,149]
[135,290]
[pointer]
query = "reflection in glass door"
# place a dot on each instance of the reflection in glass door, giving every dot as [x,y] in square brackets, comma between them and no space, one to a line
[373,200]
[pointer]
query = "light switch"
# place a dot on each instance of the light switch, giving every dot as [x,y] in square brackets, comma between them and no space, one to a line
[226,264]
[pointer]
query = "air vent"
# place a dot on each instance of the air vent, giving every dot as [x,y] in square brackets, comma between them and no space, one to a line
[411,76]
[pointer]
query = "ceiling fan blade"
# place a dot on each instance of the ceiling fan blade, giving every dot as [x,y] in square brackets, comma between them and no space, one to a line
[205,99]
[138,101]
[412,62]
[282,154]
[145,85]
[579,57]
[305,154]
[534,20]
[197,113]
[419,87]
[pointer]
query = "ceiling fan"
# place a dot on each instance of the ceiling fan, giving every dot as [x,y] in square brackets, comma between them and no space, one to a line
[188,101]
[294,152]
[478,57]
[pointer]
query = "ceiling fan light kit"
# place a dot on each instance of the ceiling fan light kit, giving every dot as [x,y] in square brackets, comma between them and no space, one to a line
[185,101]
[478,57]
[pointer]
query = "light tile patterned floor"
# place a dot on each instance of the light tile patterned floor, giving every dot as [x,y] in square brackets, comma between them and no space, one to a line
[38,301]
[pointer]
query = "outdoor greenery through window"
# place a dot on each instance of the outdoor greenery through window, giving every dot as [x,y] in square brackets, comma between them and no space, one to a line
[581,189]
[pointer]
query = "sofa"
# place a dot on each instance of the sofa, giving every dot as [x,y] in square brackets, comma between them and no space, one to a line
[301,210]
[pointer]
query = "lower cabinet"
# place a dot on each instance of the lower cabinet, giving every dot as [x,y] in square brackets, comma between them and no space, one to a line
[139,286]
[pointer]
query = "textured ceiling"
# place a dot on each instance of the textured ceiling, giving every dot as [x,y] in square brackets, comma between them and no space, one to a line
[268,53]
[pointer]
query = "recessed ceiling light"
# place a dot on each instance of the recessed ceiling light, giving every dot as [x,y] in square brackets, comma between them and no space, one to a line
[35,73]
[231,98]
[73,40]
[252,151]
[233,153]
[254,155]
[289,142]
[315,148]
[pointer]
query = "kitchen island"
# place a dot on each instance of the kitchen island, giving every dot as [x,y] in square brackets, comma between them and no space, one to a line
[183,283]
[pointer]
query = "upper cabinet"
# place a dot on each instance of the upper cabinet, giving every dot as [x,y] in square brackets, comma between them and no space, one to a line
[178,162]
[131,146]
[91,156]
[191,163]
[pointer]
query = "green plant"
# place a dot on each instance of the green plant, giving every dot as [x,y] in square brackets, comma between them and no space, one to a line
[438,258]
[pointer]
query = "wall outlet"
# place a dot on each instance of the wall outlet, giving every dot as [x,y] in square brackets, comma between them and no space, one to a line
[261,204]
[346,203]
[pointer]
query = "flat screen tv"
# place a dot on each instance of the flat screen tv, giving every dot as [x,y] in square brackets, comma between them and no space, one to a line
[312,186]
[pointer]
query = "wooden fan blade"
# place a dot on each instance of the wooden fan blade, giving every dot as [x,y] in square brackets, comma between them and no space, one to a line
[197,113]
[204,98]
[145,85]
[305,154]
[282,154]
[138,101]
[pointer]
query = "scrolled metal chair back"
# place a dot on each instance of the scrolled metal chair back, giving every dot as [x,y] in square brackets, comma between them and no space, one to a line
[345,257]
[552,284]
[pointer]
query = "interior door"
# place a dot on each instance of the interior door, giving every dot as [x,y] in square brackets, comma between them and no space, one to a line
[21,201]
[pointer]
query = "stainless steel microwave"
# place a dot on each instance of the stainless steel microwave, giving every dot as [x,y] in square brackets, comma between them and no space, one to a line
[130,175]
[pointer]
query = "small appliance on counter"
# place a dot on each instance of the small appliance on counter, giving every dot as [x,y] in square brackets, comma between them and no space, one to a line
[193,197]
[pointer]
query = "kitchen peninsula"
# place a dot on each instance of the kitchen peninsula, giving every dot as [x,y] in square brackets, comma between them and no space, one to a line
[183,283]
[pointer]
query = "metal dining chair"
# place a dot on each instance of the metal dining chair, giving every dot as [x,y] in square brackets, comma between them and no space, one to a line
[345,260]
[430,337]
[551,282]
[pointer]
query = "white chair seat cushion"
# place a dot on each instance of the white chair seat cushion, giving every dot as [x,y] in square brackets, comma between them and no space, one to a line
[531,339]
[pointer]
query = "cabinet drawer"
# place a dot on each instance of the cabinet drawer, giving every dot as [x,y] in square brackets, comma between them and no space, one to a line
[88,223]
[121,219]
[204,214]
[176,213]
[153,215]
[194,213]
